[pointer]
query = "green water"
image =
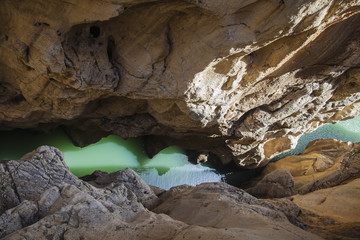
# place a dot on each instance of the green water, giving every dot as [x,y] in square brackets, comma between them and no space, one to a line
[167,169]
[347,131]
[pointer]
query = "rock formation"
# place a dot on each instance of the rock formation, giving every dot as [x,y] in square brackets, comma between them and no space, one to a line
[325,189]
[324,163]
[41,199]
[242,79]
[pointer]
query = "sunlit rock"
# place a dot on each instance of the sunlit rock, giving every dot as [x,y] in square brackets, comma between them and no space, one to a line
[242,80]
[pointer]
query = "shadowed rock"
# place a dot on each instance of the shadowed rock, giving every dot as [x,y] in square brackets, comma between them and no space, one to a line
[50,202]
[242,80]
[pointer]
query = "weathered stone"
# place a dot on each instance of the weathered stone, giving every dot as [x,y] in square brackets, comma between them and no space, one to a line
[277,184]
[324,163]
[332,213]
[242,80]
[54,207]
[131,180]
[219,205]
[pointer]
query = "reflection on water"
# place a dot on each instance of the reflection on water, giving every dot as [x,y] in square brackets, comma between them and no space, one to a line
[167,169]
[347,131]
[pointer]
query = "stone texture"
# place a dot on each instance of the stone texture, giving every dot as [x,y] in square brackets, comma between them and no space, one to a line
[50,207]
[324,163]
[332,213]
[340,203]
[326,176]
[130,179]
[277,184]
[242,80]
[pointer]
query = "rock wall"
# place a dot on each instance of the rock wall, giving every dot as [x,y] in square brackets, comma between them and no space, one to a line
[241,79]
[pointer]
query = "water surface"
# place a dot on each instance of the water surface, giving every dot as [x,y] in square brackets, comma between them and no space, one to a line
[347,131]
[168,168]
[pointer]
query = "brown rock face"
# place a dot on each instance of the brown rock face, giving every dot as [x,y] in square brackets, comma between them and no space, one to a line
[324,163]
[327,179]
[242,79]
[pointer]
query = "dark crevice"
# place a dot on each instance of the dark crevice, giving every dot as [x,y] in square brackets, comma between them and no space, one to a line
[94,31]
[74,50]
[169,45]
[110,48]
[13,182]
[27,53]
[237,123]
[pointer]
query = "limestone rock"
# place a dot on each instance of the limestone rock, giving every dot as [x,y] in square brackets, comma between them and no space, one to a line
[340,203]
[131,180]
[219,205]
[242,80]
[54,204]
[332,212]
[44,168]
[324,163]
[277,184]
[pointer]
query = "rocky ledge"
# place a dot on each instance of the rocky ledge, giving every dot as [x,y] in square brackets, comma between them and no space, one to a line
[242,79]
[41,199]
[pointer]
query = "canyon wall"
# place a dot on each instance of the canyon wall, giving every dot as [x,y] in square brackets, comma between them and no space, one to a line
[242,79]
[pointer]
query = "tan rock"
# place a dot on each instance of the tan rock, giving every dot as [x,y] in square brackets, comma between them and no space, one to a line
[324,163]
[242,80]
[340,203]
[277,184]
[219,206]
[332,213]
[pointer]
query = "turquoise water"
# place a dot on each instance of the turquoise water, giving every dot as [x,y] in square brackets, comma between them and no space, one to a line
[168,168]
[347,131]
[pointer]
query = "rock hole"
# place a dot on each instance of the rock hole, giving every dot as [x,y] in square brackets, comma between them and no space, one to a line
[27,53]
[110,48]
[352,84]
[94,31]
[18,98]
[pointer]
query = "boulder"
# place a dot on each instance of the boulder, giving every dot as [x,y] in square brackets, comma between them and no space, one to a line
[277,184]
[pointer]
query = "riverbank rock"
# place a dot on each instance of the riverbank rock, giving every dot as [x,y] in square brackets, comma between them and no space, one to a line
[327,178]
[242,80]
[277,184]
[324,163]
[332,213]
[51,203]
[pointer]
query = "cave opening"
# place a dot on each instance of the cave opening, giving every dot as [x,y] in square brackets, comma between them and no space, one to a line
[170,167]
[94,31]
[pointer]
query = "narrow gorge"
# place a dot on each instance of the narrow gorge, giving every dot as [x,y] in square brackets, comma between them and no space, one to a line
[236,82]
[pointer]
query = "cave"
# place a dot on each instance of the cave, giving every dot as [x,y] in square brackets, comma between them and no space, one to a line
[234,84]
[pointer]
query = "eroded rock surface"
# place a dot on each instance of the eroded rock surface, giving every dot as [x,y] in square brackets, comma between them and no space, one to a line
[333,212]
[324,163]
[326,183]
[279,183]
[47,206]
[242,80]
